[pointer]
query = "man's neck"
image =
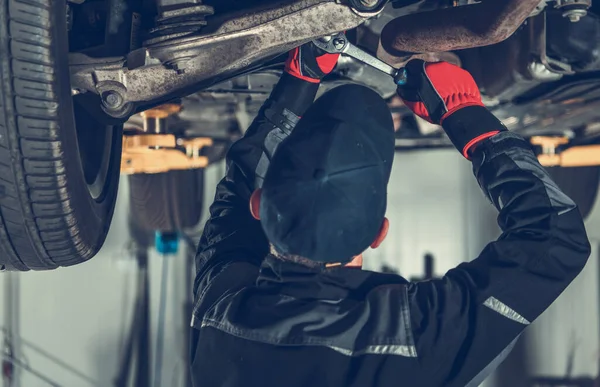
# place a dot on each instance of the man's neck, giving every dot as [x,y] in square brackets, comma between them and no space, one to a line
[356,263]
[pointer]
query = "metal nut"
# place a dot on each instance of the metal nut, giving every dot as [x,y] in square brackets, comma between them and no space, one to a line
[112,99]
[338,43]
[369,3]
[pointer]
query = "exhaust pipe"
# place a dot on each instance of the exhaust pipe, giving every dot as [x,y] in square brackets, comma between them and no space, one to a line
[482,24]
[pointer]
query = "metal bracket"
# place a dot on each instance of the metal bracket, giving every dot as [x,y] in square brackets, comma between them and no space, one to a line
[540,47]
[576,156]
[156,153]
[155,119]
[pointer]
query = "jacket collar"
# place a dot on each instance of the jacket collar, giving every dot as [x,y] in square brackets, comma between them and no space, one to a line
[302,281]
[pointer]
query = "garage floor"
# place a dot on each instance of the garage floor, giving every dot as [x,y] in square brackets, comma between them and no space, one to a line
[80,315]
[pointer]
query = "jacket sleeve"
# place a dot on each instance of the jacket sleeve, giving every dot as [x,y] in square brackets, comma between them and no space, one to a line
[233,244]
[466,323]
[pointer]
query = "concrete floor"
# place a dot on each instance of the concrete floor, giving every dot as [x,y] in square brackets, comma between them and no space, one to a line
[80,314]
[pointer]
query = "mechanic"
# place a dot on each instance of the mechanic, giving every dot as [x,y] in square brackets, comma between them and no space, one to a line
[279,297]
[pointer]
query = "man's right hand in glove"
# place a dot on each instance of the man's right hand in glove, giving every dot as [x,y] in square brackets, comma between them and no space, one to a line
[447,95]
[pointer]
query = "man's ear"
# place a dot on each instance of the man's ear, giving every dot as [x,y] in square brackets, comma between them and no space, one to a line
[383,231]
[255,204]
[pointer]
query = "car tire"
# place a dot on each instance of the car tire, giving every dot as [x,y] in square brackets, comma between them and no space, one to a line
[580,184]
[59,168]
[167,202]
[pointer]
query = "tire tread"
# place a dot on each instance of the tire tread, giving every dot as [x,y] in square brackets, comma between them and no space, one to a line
[37,227]
[167,202]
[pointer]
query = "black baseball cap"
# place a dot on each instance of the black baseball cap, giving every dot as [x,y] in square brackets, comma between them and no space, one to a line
[324,196]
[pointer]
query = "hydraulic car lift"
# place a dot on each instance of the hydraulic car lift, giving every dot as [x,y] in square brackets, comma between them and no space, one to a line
[555,154]
[155,151]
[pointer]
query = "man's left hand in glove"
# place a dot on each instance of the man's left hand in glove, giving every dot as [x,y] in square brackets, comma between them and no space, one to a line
[310,63]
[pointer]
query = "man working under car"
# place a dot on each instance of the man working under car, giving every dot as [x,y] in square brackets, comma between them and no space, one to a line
[279,301]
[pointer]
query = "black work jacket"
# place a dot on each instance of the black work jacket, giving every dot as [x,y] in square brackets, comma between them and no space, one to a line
[259,321]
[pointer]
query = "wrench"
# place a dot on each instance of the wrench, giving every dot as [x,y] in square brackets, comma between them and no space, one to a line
[339,44]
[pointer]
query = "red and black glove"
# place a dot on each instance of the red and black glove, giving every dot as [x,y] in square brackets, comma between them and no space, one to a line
[447,95]
[310,63]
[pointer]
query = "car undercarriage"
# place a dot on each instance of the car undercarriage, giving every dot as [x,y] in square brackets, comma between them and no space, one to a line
[170,84]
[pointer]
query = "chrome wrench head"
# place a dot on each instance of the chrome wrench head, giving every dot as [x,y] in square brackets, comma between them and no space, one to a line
[339,44]
[333,44]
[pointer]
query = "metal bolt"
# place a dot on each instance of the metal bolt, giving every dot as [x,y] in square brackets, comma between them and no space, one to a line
[339,43]
[575,15]
[112,99]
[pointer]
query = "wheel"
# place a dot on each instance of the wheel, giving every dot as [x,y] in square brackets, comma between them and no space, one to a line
[167,202]
[580,184]
[59,168]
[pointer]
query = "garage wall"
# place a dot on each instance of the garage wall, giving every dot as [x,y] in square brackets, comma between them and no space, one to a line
[435,207]
[80,314]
